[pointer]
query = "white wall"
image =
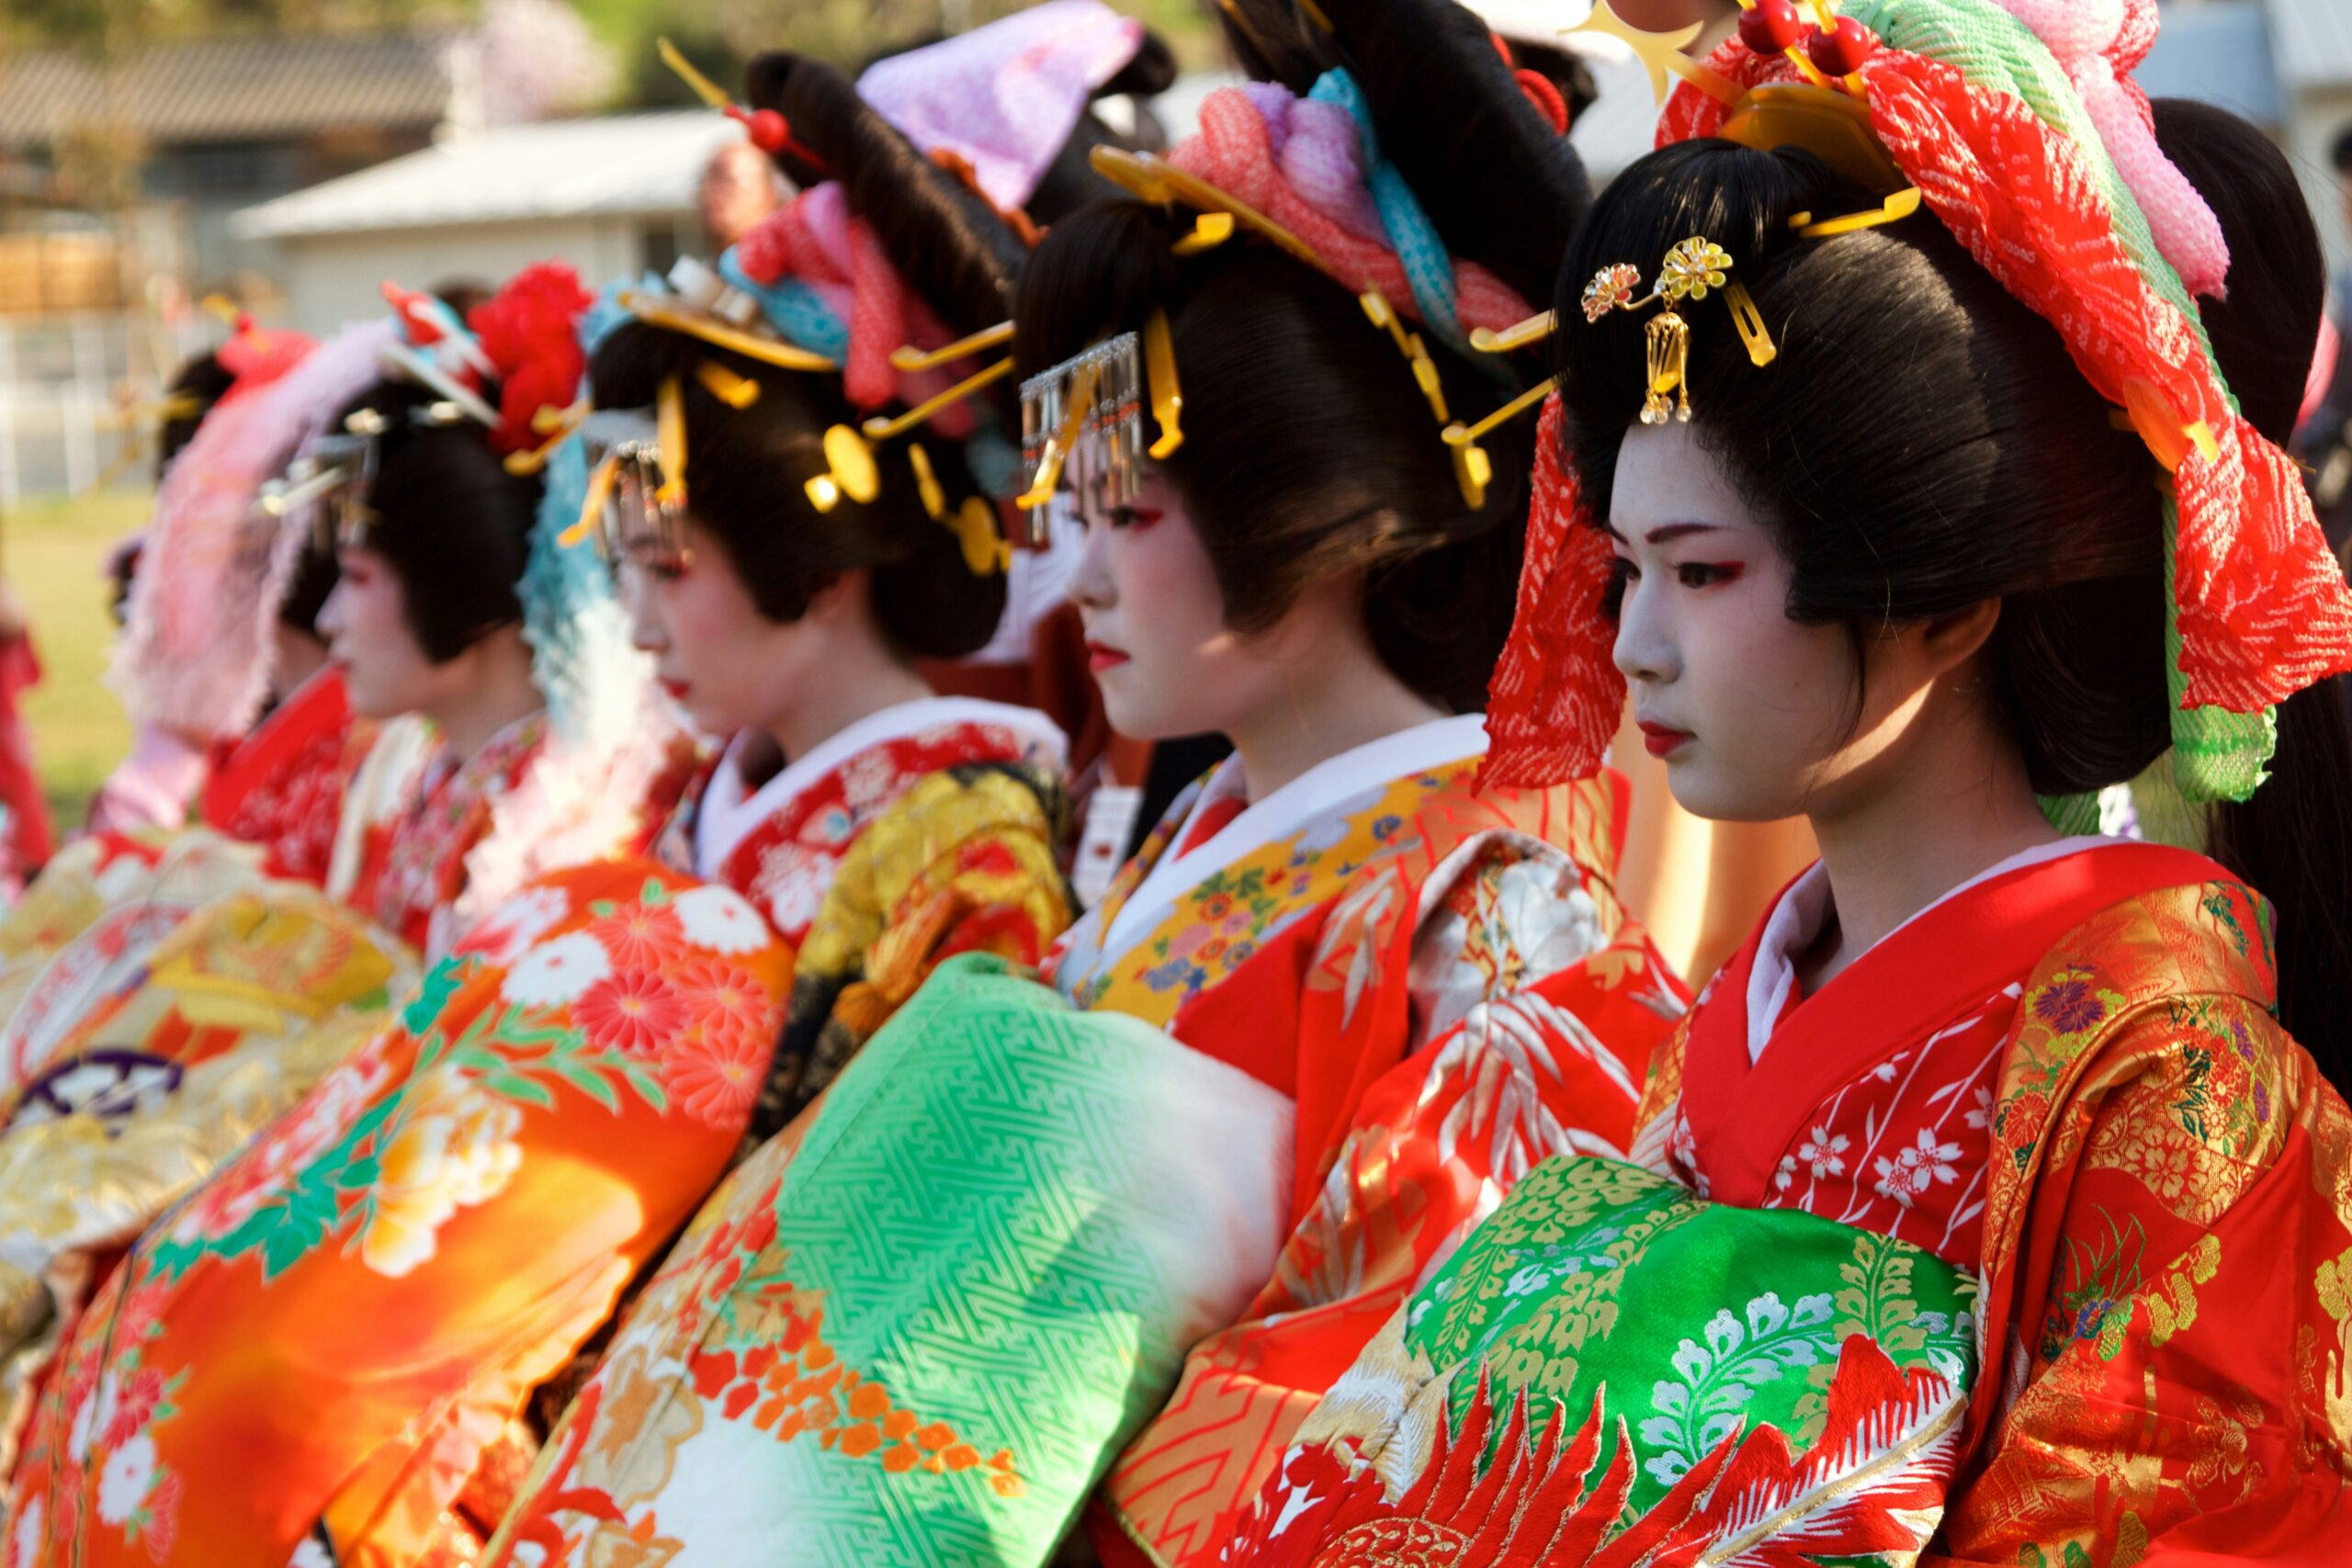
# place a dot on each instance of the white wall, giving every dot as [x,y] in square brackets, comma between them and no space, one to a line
[332,280]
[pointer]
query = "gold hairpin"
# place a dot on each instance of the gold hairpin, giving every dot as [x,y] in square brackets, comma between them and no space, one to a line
[986,550]
[1691,270]
[1894,210]
[883,427]
[908,357]
[1511,339]
[673,316]
[849,471]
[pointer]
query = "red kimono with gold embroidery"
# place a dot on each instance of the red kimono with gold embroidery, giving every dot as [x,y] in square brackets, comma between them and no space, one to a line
[1446,988]
[2067,1077]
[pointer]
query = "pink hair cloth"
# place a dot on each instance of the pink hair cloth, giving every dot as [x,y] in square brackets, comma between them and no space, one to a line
[1291,160]
[2099,43]
[1005,97]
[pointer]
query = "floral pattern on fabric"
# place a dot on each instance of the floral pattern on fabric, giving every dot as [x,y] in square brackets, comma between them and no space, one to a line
[2167,1216]
[1701,1348]
[1446,982]
[414,864]
[966,861]
[282,786]
[773,1394]
[786,866]
[470,1191]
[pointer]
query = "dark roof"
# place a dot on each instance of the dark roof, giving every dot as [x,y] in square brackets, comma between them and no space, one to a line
[234,89]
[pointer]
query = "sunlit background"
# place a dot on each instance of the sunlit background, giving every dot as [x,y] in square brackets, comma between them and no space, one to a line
[166,162]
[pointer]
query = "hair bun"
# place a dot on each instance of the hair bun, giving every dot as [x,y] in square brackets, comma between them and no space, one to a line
[956,251]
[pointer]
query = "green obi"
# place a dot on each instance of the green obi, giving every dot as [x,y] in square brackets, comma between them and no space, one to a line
[1687,1319]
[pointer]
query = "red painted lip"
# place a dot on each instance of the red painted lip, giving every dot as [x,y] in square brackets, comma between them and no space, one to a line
[1099,656]
[1662,741]
[678,689]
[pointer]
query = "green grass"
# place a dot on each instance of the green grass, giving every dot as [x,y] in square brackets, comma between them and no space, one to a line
[54,552]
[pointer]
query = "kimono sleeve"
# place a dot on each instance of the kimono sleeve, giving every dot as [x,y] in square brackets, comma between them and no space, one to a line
[2173,1306]
[966,863]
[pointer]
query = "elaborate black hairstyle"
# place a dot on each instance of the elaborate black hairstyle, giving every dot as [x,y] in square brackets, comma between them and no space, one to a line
[749,466]
[1308,450]
[448,518]
[200,382]
[1925,443]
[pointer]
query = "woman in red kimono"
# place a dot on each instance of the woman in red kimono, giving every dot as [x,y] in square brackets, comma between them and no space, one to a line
[1338,910]
[591,1055]
[2018,1154]
[1335,943]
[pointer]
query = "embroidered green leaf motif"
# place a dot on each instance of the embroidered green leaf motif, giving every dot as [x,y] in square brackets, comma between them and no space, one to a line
[441,982]
[286,1228]
[1718,1374]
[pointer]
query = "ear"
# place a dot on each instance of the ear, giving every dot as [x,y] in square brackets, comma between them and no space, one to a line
[840,595]
[1949,641]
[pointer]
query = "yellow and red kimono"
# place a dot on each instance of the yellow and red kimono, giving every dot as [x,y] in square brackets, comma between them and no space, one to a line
[338,1334]
[1445,986]
[281,785]
[2067,1079]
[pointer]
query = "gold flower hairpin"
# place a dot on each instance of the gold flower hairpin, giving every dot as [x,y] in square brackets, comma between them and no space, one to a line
[1691,270]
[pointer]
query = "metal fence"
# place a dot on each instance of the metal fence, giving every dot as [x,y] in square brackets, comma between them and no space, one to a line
[62,379]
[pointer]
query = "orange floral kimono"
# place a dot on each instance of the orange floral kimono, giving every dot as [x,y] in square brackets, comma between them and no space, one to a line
[331,1344]
[1447,989]
[2066,1078]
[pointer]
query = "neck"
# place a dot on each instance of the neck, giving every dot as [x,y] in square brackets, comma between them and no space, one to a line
[863,677]
[1333,704]
[494,691]
[1958,804]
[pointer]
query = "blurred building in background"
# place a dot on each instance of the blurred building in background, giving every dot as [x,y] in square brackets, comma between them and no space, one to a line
[2285,65]
[612,196]
[300,172]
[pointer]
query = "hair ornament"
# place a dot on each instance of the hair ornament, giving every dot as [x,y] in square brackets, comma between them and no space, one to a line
[1694,268]
[770,132]
[672,313]
[1167,391]
[907,358]
[1232,178]
[2016,122]
[849,471]
[884,427]
[1896,208]
[738,392]
[553,425]
[1524,334]
[1209,230]
[1084,416]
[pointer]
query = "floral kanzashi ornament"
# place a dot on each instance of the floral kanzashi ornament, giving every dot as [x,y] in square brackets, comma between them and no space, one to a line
[1693,267]
[1612,288]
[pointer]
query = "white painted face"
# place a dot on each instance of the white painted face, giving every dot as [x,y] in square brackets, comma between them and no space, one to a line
[728,666]
[1757,716]
[1156,633]
[365,625]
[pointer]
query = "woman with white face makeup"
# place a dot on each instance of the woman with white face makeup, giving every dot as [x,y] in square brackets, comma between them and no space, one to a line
[2003,1179]
[1300,563]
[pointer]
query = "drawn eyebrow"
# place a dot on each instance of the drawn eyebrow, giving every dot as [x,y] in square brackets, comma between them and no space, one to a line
[1673,531]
